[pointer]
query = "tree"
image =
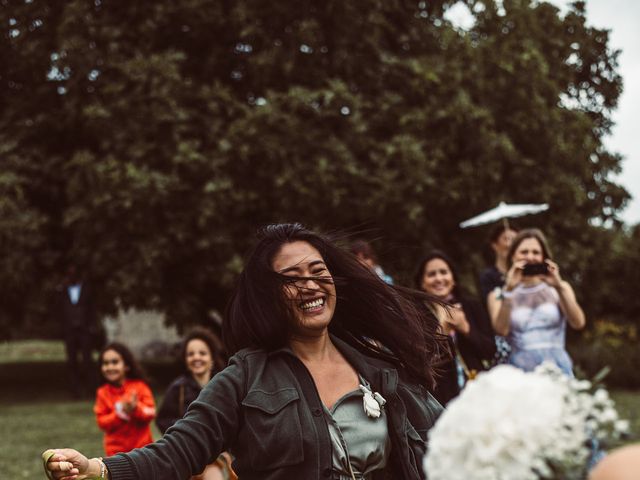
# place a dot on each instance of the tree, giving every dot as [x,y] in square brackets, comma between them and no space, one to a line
[147,141]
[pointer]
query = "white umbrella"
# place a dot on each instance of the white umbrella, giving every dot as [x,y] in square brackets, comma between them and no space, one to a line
[504,211]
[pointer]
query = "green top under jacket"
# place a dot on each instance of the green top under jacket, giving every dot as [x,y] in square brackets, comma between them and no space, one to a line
[265,409]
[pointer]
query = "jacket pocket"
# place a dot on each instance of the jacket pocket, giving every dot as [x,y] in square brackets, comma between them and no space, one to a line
[272,434]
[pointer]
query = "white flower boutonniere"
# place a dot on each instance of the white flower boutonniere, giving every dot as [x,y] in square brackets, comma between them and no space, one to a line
[372,402]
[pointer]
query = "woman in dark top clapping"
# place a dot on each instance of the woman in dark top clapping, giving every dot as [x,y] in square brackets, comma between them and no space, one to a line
[466,324]
[327,377]
[202,354]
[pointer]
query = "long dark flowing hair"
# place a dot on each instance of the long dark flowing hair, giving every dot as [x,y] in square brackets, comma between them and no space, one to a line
[378,319]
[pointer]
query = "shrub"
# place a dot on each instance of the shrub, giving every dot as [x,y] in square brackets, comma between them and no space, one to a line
[613,345]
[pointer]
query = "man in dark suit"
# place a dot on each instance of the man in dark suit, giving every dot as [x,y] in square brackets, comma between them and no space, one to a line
[77,317]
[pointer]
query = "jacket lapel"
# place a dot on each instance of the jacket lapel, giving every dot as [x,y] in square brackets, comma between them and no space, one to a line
[383,380]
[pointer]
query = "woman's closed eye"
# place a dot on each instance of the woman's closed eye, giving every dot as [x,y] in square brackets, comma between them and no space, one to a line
[321,276]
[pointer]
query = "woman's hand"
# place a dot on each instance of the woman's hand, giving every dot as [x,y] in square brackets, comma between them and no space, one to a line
[69,464]
[514,275]
[552,278]
[455,319]
[130,405]
[568,303]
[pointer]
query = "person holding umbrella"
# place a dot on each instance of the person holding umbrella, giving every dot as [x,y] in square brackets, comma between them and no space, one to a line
[535,305]
[492,277]
[500,239]
[501,236]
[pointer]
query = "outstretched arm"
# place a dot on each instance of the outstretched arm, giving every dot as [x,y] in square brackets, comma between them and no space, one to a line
[209,427]
[69,464]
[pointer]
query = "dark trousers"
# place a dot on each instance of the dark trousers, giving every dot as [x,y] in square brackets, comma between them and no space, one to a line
[80,366]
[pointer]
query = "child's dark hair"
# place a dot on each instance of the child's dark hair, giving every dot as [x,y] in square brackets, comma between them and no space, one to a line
[215,345]
[135,371]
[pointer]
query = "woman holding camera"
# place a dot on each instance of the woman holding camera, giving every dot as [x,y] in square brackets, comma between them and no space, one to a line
[327,379]
[535,305]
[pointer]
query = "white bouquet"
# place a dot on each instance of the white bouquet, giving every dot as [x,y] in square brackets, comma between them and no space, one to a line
[512,425]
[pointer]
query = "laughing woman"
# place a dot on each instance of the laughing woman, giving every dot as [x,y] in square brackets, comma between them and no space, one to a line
[327,381]
[465,324]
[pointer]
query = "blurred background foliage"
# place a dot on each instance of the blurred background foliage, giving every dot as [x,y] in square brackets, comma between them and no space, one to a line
[146,142]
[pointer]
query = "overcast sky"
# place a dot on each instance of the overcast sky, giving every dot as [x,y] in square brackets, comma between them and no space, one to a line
[622,17]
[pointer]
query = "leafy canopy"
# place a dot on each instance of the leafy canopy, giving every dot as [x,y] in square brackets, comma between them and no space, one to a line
[146,141]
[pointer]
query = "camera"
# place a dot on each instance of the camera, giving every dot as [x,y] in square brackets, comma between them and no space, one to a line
[531,269]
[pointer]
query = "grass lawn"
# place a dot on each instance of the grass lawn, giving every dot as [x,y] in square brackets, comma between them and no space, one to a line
[32,350]
[36,411]
[30,427]
[628,406]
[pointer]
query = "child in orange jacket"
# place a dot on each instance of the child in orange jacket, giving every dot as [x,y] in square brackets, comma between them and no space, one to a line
[124,405]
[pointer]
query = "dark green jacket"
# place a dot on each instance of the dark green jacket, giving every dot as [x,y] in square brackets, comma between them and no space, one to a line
[265,409]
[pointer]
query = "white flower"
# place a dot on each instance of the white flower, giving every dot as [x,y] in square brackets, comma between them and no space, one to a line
[621,426]
[601,396]
[512,425]
[372,402]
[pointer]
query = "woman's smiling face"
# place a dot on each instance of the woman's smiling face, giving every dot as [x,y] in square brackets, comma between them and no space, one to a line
[437,278]
[198,357]
[529,250]
[312,298]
